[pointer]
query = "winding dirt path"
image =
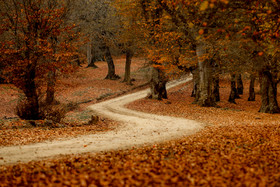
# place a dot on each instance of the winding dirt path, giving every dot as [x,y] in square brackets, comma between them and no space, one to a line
[137,128]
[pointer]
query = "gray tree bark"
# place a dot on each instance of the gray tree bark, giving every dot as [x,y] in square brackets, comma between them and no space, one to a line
[204,97]
[158,85]
[111,67]
[127,77]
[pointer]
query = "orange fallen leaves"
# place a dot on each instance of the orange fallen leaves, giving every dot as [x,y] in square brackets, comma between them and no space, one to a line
[241,148]
[217,156]
[84,85]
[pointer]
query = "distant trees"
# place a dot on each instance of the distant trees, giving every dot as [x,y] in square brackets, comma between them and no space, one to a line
[100,23]
[36,44]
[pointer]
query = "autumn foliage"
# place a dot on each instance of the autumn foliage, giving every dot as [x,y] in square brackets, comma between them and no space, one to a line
[35,44]
[237,147]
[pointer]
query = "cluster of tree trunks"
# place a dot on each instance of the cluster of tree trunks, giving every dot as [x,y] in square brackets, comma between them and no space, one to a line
[206,86]
[106,56]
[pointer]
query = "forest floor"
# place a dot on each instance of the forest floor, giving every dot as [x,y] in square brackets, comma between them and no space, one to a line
[238,147]
[81,89]
[135,129]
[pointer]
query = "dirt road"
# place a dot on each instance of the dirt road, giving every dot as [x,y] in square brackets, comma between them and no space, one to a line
[137,129]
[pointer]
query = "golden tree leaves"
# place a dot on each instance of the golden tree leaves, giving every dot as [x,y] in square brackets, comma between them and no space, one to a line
[204,5]
[39,36]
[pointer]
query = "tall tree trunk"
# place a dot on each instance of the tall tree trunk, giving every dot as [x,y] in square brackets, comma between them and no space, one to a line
[268,93]
[158,85]
[252,94]
[111,67]
[30,110]
[233,91]
[89,54]
[204,97]
[94,57]
[127,77]
[239,84]
[194,72]
[216,91]
[51,79]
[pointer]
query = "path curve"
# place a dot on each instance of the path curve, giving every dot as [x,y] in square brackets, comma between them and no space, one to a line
[137,128]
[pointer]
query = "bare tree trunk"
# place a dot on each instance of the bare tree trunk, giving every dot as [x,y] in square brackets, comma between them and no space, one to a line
[252,94]
[30,110]
[216,91]
[205,95]
[127,77]
[268,93]
[93,58]
[194,71]
[233,91]
[76,61]
[158,85]
[89,55]
[50,87]
[239,84]
[111,67]
[92,64]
